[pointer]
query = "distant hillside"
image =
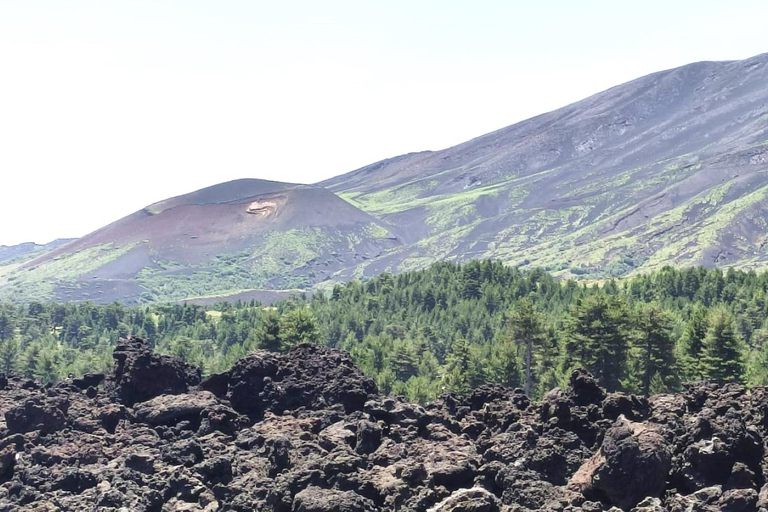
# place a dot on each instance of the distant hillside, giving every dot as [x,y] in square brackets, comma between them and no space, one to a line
[239,237]
[671,168]
[668,168]
[10,254]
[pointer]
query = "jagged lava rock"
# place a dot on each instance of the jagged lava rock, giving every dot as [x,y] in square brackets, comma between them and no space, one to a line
[307,376]
[140,374]
[307,431]
[44,415]
[632,463]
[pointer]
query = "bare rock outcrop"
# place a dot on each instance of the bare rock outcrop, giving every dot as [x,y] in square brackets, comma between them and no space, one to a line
[631,464]
[307,431]
[140,374]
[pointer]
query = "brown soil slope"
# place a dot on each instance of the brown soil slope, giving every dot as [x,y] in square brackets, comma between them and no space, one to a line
[190,234]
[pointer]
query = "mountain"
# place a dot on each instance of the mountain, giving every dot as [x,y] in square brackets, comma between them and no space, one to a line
[233,238]
[671,168]
[668,168]
[10,254]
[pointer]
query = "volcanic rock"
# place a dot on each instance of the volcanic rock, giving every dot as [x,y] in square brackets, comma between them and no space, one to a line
[36,414]
[307,431]
[632,463]
[309,377]
[140,374]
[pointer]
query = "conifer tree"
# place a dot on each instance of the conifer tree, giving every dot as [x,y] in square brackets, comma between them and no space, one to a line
[478,371]
[149,327]
[31,361]
[6,325]
[654,346]
[526,329]
[505,363]
[548,371]
[597,338]
[470,280]
[723,350]
[692,342]
[404,363]
[457,369]
[299,325]
[757,366]
[269,333]
[48,367]
[9,354]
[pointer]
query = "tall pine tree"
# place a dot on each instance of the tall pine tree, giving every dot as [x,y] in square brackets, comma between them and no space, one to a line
[692,343]
[269,333]
[597,338]
[526,328]
[654,346]
[722,358]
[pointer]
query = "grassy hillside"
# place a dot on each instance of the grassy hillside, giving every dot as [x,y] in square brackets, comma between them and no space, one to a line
[247,237]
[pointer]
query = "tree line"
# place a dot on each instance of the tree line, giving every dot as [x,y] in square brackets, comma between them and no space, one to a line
[449,327]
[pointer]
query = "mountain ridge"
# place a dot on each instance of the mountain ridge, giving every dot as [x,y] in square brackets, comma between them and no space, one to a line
[402,200]
[669,168]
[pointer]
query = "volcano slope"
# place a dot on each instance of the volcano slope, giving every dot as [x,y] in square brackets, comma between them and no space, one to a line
[671,168]
[238,237]
[306,431]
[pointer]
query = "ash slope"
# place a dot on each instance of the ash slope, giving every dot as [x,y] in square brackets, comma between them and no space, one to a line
[233,238]
[668,168]
[306,432]
[671,168]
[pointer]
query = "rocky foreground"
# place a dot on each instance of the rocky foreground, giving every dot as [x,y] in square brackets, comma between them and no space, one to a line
[307,432]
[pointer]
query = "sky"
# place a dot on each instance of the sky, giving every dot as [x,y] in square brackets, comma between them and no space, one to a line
[109,106]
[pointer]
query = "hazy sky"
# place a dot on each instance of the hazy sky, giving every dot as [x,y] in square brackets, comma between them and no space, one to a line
[109,105]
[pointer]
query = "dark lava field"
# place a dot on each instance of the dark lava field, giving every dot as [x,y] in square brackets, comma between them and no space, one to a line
[305,431]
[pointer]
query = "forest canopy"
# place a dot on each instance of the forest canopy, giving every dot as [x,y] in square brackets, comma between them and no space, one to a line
[449,327]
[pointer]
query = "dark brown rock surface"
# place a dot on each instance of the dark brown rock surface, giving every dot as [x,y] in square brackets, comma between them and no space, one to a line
[306,431]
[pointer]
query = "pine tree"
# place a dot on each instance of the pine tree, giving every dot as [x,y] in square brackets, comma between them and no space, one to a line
[526,329]
[404,363]
[757,366]
[477,373]
[548,368]
[48,367]
[722,354]
[457,369]
[31,362]
[597,338]
[299,325]
[692,342]
[505,363]
[9,354]
[386,381]
[654,346]
[269,333]
[182,348]
[470,280]
[149,327]
[7,326]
